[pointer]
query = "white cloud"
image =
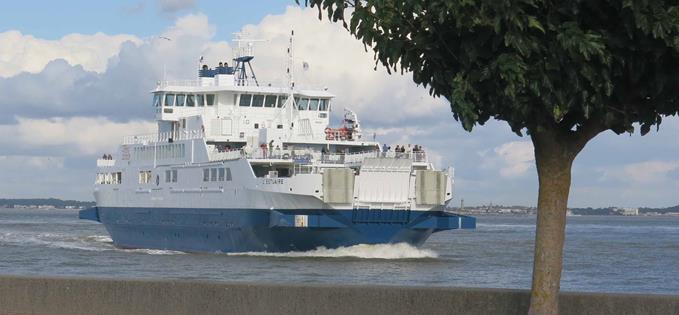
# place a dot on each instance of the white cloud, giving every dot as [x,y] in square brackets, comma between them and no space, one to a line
[650,170]
[80,135]
[646,172]
[339,62]
[516,157]
[25,53]
[30,161]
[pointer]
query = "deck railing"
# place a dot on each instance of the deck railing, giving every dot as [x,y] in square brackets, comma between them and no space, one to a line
[225,155]
[105,163]
[332,158]
[163,137]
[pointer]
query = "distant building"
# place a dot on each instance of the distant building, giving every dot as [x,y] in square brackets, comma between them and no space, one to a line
[628,211]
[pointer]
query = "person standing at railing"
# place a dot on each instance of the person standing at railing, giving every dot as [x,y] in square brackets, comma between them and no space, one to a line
[263,147]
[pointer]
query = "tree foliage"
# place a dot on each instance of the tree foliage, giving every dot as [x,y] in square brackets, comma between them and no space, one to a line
[569,66]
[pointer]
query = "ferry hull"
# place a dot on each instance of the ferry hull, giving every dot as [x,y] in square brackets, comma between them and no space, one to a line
[244,230]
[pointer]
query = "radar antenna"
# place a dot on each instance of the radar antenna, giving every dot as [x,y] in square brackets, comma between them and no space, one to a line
[244,53]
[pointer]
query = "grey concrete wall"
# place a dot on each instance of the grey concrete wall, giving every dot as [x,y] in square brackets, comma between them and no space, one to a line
[55,296]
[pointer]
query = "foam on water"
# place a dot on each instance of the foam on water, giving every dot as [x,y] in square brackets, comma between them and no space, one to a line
[378,251]
[97,243]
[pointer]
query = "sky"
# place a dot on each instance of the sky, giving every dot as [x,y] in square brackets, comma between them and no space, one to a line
[75,78]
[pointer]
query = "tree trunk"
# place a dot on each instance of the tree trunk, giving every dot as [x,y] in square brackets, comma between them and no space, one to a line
[554,155]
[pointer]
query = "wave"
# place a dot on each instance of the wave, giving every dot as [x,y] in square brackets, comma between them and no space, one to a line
[364,251]
[97,243]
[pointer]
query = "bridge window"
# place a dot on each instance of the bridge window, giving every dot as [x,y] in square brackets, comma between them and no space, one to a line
[213,174]
[245,100]
[313,104]
[169,99]
[181,98]
[171,176]
[281,100]
[117,177]
[228,174]
[302,104]
[210,98]
[323,105]
[190,100]
[257,100]
[157,99]
[221,174]
[200,100]
[206,174]
[144,177]
[270,101]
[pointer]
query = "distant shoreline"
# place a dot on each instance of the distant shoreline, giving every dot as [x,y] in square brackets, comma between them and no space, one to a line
[44,203]
[570,216]
[55,203]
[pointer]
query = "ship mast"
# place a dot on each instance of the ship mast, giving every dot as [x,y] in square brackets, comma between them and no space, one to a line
[291,78]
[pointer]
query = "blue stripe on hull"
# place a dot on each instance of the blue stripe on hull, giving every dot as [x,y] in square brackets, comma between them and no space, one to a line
[238,230]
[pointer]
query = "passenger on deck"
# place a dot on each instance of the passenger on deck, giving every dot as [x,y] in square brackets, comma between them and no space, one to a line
[103,157]
[263,147]
[205,67]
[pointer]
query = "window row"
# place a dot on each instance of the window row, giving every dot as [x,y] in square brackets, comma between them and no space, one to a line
[312,104]
[109,178]
[180,100]
[159,152]
[216,174]
[258,100]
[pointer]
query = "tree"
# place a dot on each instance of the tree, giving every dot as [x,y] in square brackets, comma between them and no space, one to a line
[561,72]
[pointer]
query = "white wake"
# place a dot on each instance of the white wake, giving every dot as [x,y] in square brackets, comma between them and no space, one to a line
[379,251]
[96,243]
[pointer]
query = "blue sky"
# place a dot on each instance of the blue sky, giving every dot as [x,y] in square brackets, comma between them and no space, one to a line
[75,77]
[54,19]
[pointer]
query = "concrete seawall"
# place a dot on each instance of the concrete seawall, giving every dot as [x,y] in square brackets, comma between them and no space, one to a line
[32,295]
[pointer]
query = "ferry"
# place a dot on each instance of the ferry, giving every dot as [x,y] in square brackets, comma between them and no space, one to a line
[238,166]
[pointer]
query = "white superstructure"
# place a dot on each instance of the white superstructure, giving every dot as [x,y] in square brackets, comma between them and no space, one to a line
[225,142]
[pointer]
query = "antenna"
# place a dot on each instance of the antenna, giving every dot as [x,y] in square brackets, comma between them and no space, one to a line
[242,56]
[291,61]
[291,76]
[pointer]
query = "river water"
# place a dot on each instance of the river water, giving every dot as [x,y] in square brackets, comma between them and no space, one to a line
[603,254]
